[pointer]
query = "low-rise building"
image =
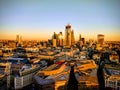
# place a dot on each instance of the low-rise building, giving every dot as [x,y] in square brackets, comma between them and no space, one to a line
[113,82]
[44,84]
[26,76]
[53,69]
[5,74]
[60,78]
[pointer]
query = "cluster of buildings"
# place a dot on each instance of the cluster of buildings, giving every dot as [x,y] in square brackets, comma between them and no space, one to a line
[46,65]
[68,40]
[57,75]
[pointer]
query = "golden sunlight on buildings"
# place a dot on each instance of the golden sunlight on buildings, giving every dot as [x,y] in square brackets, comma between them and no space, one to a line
[51,70]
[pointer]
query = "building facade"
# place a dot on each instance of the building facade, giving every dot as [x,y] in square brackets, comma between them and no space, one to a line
[5,75]
[25,78]
[113,82]
[60,39]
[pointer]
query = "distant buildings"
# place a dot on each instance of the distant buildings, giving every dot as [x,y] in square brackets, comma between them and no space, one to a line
[69,39]
[100,38]
[57,39]
[81,40]
[72,38]
[79,37]
[54,39]
[46,64]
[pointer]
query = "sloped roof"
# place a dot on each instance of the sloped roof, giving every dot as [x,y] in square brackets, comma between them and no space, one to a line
[42,81]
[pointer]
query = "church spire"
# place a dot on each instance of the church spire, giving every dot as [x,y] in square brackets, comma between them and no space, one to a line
[72,82]
[100,74]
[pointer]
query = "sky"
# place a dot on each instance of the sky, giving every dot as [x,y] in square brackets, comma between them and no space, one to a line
[38,19]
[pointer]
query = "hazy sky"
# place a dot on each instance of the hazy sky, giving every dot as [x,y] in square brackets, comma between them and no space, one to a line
[38,19]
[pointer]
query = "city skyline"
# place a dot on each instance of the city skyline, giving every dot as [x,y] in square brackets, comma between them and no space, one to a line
[39,19]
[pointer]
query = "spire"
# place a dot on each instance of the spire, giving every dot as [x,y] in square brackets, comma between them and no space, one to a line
[72,37]
[100,74]
[72,82]
[79,37]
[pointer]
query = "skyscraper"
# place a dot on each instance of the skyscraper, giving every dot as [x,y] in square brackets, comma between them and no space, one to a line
[69,35]
[79,37]
[60,39]
[100,38]
[72,37]
[18,39]
[54,39]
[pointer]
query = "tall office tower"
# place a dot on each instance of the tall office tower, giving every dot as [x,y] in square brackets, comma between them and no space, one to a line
[100,38]
[72,37]
[60,39]
[54,39]
[54,42]
[69,35]
[19,39]
[79,37]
